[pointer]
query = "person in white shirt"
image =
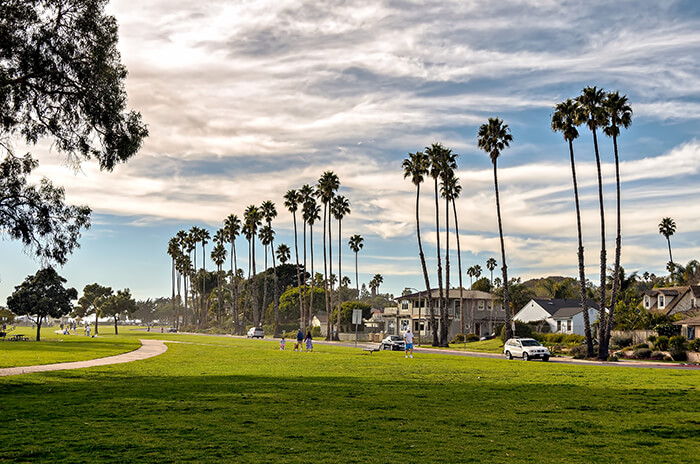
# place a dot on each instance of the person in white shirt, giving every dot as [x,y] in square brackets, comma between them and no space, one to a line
[408,338]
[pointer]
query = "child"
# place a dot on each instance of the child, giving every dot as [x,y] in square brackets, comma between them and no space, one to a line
[309,343]
[282,344]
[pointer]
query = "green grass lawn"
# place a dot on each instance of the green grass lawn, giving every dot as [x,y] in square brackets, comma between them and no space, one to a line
[485,346]
[217,399]
[55,348]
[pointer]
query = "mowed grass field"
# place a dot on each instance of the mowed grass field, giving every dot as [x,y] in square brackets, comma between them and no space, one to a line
[217,399]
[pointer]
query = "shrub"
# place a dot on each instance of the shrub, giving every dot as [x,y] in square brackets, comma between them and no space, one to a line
[579,352]
[640,346]
[695,345]
[679,355]
[315,332]
[560,338]
[657,355]
[677,343]
[521,330]
[621,341]
[667,329]
[661,343]
[462,338]
[642,353]
[651,338]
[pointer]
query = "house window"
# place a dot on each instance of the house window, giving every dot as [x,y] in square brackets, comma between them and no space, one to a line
[481,305]
[647,302]
[661,302]
[558,326]
[568,326]
[404,304]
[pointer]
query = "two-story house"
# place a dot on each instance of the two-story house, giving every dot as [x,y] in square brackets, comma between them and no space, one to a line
[672,300]
[479,311]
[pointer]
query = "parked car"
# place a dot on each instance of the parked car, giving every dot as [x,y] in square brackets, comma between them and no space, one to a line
[256,332]
[172,329]
[526,348]
[393,343]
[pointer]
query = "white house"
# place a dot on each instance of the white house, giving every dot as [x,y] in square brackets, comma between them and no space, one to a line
[562,315]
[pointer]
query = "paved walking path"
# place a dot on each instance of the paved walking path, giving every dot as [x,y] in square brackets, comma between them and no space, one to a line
[149,348]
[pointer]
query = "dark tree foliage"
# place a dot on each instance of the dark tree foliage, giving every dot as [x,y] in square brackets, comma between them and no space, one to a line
[60,78]
[42,295]
[36,214]
[118,304]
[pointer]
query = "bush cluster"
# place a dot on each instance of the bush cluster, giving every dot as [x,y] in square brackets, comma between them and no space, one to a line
[667,329]
[657,356]
[642,353]
[661,343]
[694,345]
[621,341]
[640,346]
[559,338]
[580,351]
[468,337]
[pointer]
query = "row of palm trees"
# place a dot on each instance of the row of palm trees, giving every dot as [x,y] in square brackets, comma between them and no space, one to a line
[608,111]
[257,225]
[440,163]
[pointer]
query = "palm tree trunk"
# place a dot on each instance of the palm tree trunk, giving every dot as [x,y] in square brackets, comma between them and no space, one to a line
[329,335]
[296,252]
[203,309]
[431,308]
[302,294]
[444,327]
[670,257]
[506,303]
[218,289]
[581,265]
[172,298]
[234,286]
[275,292]
[263,309]
[311,296]
[330,270]
[603,255]
[340,275]
[256,308]
[439,265]
[605,342]
[459,267]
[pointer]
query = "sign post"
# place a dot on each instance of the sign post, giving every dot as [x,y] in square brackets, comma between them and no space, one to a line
[356,319]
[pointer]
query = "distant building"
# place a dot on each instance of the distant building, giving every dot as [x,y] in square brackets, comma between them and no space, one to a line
[480,310]
[561,314]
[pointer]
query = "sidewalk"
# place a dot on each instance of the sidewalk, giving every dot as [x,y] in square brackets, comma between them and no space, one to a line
[149,348]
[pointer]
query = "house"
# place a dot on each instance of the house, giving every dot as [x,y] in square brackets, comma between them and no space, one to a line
[672,300]
[690,328]
[563,315]
[479,314]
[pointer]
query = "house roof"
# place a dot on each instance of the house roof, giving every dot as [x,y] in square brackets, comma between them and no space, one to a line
[562,307]
[676,294]
[695,321]
[453,294]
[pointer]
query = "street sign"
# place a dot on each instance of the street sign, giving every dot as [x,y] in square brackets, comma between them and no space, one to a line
[357,316]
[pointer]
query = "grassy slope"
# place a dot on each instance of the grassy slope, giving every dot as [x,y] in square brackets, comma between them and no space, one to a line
[245,401]
[54,348]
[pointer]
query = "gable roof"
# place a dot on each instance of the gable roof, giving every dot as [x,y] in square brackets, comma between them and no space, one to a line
[562,307]
[453,295]
[675,293]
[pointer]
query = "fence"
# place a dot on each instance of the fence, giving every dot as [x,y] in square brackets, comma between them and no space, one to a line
[638,336]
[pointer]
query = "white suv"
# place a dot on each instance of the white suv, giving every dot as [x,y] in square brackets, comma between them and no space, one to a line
[527,348]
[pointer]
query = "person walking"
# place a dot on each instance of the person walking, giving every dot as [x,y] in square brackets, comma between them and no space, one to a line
[309,343]
[408,338]
[282,342]
[87,330]
[300,339]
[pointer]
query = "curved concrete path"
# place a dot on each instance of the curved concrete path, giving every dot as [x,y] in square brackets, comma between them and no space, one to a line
[149,348]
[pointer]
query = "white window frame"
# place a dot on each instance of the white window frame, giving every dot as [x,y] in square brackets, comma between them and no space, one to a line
[661,301]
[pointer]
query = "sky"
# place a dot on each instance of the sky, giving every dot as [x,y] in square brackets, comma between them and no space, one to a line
[245,100]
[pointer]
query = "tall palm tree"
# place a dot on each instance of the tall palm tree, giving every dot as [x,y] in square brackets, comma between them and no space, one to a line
[253,219]
[269,213]
[182,246]
[291,202]
[567,115]
[453,190]
[195,233]
[312,213]
[328,184]
[416,167]
[619,114]
[306,198]
[218,255]
[667,227]
[471,272]
[283,253]
[375,283]
[448,164]
[173,252]
[493,137]
[204,237]
[591,102]
[491,264]
[435,157]
[340,208]
[232,226]
[266,236]
[356,244]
